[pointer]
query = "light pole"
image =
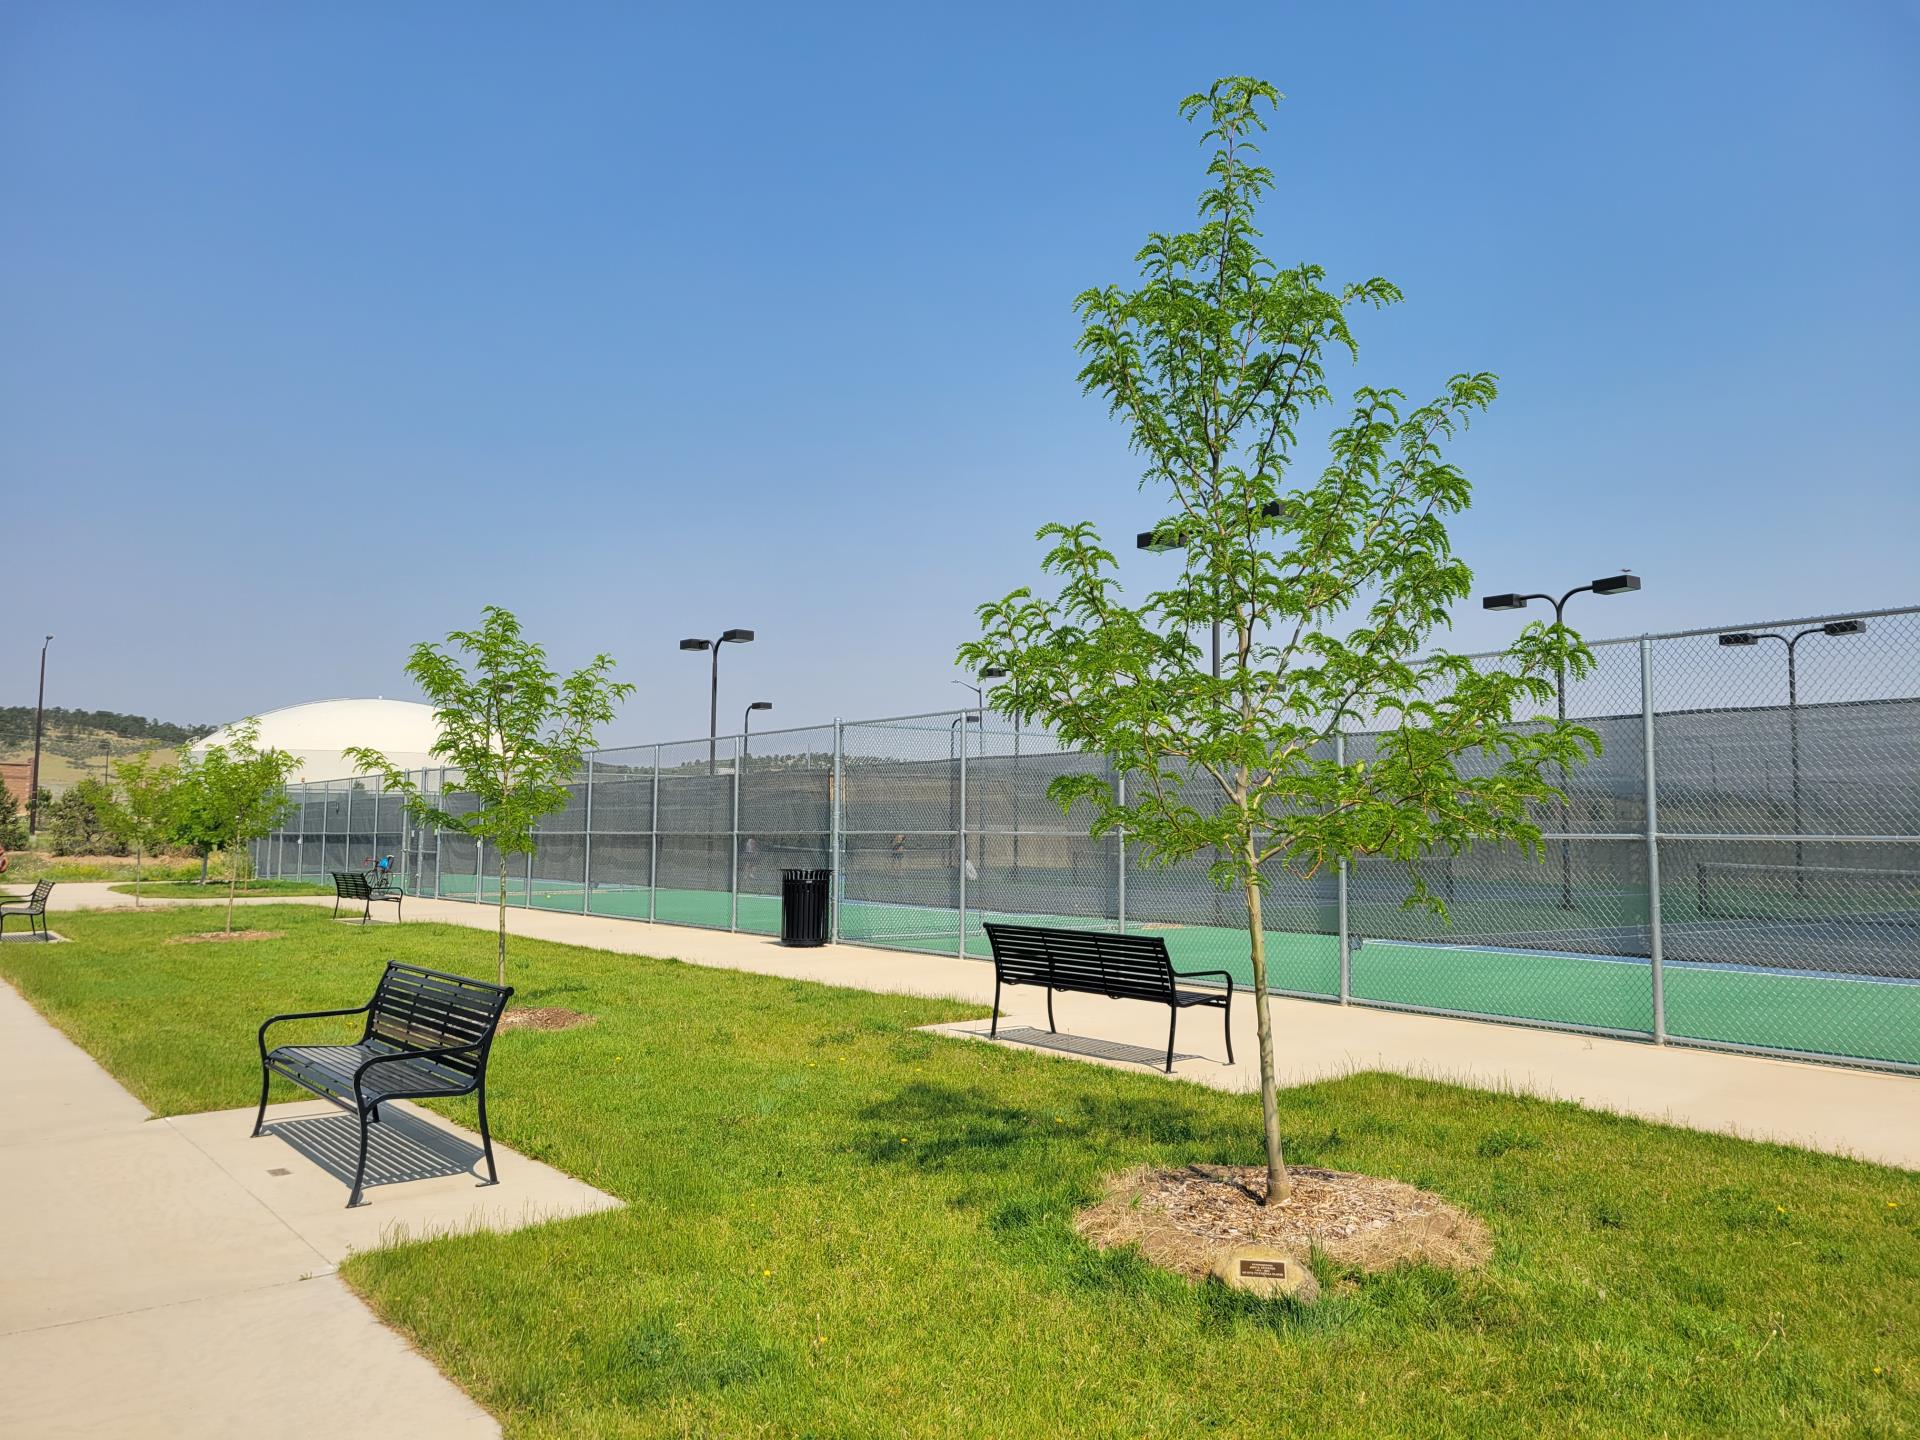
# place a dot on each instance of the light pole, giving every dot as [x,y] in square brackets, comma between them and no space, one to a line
[1621,584]
[957,795]
[1174,537]
[746,723]
[999,672]
[734,637]
[1754,637]
[33,776]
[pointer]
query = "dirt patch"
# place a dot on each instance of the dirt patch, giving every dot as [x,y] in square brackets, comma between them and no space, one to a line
[1182,1219]
[212,936]
[544,1017]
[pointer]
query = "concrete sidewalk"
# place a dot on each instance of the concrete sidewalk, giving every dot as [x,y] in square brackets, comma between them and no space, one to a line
[176,1277]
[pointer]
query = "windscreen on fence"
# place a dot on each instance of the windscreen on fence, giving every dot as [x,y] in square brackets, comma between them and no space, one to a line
[1739,864]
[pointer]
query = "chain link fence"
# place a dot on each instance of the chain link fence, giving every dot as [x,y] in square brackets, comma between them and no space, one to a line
[1738,867]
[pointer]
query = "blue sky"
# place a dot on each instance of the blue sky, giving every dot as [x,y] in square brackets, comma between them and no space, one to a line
[325,325]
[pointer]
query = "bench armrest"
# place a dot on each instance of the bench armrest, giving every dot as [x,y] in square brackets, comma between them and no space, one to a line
[26,899]
[305,1015]
[1226,975]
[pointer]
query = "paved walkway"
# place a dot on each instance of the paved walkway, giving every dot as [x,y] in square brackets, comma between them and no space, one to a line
[176,1278]
[1869,1114]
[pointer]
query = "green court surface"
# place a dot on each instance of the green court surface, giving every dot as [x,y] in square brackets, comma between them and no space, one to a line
[1859,1017]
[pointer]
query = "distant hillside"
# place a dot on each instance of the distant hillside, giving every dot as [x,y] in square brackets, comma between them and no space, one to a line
[78,743]
[16,727]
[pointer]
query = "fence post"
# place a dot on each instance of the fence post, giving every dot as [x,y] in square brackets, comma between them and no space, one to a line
[837,826]
[1120,890]
[653,837]
[733,862]
[1346,956]
[1655,945]
[586,846]
[346,860]
[962,947]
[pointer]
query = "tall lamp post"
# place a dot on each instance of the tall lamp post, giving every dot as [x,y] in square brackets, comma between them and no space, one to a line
[33,775]
[1739,638]
[746,722]
[1621,584]
[727,637]
[999,672]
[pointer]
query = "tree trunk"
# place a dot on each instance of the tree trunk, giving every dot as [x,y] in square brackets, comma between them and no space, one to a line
[137,850]
[1279,1185]
[204,853]
[503,916]
[233,882]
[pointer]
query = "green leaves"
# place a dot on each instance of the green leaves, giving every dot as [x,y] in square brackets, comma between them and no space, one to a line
[517,731]
[1329,591]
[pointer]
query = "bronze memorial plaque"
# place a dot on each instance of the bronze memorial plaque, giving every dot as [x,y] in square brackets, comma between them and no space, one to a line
[1263,1270]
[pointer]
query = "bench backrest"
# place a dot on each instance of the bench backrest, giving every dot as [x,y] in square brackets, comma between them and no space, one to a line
[1132,967]
[38,904]
[418,1009]
[351,885]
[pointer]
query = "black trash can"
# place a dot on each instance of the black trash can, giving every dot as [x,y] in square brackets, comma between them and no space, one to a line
[804,897]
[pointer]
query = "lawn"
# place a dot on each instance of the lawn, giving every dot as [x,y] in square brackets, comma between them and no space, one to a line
[217,890]
[839,1226]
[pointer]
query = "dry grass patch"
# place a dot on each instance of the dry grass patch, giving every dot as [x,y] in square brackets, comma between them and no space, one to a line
[543,1017]
[210,936]
[1183,1219]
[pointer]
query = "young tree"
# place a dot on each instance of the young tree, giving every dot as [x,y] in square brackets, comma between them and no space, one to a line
[515,731]
[143,813]
[232,794]
[1327,590]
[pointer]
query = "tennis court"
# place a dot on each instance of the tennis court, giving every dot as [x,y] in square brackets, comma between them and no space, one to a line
[1874,1017]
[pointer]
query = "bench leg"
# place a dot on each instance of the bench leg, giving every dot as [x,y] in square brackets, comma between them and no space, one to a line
[369,915]
[336,905]
[486,1139]
[993,1030]
[1173,1019]
[1227,1024]
[1050,1025]
[260,1117]
[359,1164]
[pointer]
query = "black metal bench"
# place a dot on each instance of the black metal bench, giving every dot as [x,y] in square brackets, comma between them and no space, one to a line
[352,885]
[1096,962]
[33,906]
[428,1034]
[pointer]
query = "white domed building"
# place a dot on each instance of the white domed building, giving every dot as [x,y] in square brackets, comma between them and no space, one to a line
[317,733]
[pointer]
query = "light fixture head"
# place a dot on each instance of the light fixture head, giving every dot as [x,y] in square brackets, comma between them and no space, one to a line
[1503,602]
[1166,537]
[1616,584]
[1844,627]
[696,644]
[994,672]
[738,637]
[761,705]
[1740,637]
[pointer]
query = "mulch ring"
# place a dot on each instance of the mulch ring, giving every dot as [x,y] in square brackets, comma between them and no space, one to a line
[1182,1219]
[544,1017]
[209,936]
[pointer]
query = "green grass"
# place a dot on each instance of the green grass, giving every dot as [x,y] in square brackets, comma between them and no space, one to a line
[30,865]
[839,1226]
[217,890]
